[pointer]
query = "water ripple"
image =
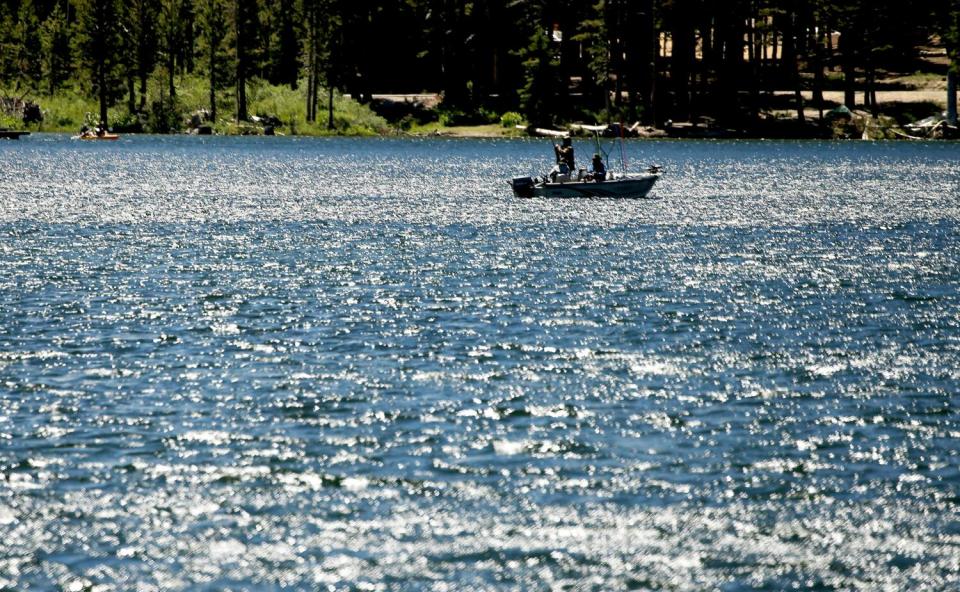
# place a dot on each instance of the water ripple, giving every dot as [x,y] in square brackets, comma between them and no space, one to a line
[360,364]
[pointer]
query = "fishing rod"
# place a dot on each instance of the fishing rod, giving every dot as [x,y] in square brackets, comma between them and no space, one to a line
[623,158]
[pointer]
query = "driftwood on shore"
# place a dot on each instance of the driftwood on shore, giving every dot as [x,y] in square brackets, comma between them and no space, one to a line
[932,128]
[543,132]
[609,130]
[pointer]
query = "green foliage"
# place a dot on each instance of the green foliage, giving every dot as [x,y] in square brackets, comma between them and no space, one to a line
[460,117]
[126,122]
[27,42]
[10,122]
[479,55]
[142,42]
[166,114]
[55,50]
[283,62]
[539,96]
[511,119]
[593,36]
[66,110]
[97,37]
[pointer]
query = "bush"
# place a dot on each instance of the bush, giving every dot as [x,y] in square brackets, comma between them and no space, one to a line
[9,121]
[128,123]
[511,119]
[164,117]
[459,117]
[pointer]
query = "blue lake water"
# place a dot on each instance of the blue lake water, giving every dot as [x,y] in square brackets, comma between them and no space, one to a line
[361,364]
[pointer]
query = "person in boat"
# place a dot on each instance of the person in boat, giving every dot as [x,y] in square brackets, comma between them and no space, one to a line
[101,129]
[565,161]
[564,153]
[598,169]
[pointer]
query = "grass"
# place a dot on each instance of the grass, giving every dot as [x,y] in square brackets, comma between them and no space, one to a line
[63,112]
[490,130]
[68,110]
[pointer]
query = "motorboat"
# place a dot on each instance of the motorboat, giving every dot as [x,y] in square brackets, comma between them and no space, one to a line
[619,185]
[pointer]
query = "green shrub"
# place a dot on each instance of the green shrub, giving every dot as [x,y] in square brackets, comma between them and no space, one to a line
[10,122]
[511,119]
[165,116]
[70,108]
[458,117]
[127,123]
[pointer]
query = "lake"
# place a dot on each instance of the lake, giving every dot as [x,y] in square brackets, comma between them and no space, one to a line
[362,364]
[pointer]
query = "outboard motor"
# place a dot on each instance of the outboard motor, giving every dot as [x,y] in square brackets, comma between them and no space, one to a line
[522,186]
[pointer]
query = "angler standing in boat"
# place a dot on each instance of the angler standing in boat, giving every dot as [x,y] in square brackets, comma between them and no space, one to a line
[564,152]
[565,161]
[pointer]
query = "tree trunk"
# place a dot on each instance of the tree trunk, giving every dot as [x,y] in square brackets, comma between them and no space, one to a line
[309,94]
[818,73]
[143,91]
[792,46]
[849,70]
[170,69]
[241,61]
[684,46]
[311,62]
[730,25]
[213,82]
[869,92]
[131,93]
[952,95]
[329,106]
[757,62]
[241,97]
[641,53]
[102,81]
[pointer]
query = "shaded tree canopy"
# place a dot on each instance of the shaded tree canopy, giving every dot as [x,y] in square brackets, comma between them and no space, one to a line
[554,60]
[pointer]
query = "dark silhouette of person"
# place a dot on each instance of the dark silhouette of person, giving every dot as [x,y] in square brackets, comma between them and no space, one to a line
[564,153]
[599,172]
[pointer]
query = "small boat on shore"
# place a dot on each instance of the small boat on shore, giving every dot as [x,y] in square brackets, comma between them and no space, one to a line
[619,185]
[94,136]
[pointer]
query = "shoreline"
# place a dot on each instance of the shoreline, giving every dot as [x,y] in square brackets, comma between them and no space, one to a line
[454,133]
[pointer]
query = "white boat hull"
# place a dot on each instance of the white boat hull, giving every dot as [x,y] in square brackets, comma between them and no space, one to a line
[622,187]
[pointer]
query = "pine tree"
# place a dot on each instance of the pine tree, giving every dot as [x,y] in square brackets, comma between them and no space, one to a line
[28,47]
[55,50]
[593,36]
[947,17]
[141,21]
[542,83]
[170,32]
[284,44]
[245,30]
[213,33]
[97,41]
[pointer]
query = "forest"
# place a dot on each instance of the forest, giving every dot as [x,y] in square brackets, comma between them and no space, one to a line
[149,63]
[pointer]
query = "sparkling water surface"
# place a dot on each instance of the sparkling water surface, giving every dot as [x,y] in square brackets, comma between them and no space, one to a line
[361,364]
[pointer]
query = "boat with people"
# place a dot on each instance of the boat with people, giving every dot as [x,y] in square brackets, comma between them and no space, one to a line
[96,132]
[91,135]
[615,185]
[566,180]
